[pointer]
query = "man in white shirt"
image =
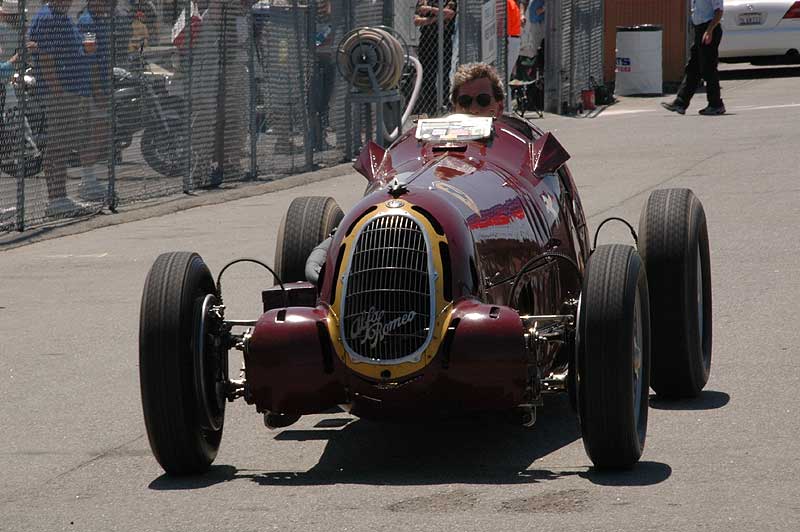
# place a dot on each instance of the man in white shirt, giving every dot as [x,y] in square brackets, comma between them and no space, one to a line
[706,17]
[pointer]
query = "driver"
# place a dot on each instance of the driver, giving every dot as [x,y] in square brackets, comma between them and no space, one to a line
[477,90]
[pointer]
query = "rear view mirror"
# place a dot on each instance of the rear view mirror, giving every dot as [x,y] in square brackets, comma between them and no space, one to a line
[548,155]
[369,160]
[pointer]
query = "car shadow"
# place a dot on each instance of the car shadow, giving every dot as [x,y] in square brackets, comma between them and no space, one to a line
[707,400]
[770,72]
[478,450]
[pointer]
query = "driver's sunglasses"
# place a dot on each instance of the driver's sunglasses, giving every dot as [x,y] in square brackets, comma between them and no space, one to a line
[465,100]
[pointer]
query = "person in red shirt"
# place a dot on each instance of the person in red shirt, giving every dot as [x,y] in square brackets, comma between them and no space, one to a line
[514,23]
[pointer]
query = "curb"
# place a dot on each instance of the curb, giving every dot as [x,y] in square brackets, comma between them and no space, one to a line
[168,205]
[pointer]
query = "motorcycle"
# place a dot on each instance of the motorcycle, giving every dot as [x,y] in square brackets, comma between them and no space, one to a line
[142,101]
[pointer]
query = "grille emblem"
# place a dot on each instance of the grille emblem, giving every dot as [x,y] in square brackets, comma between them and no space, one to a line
[372,328]
[394,204]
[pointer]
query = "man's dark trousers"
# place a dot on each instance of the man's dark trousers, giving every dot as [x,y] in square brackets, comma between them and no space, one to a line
[702,64]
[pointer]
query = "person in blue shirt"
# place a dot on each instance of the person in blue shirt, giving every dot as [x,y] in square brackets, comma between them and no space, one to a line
[60,69]
[706,17]
[95,21]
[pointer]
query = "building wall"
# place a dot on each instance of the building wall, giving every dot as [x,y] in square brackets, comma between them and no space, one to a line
[672,15]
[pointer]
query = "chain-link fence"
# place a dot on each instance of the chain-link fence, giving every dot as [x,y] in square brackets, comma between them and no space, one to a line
[574,52]
[106,104]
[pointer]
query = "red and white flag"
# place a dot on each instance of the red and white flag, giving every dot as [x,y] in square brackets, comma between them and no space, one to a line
[178,33]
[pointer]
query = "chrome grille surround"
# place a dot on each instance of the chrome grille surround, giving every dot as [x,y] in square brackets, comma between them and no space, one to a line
[389,291]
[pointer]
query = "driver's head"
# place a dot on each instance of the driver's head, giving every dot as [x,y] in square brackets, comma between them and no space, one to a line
[477,90]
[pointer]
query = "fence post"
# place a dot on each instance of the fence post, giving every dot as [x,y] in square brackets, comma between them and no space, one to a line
[553,57]
[461,20]
[112,155]
[20,148]
[440,58]
[301,77]
[188,44]
[251,65]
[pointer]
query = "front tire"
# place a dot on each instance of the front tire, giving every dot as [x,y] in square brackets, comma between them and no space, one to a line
[673,242]
[183,436]
[614,357]
[308,221]
[164,149]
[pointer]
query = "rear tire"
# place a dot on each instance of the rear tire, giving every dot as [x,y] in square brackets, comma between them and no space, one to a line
[174,412]
[673,242]
[308,221]
[614,357]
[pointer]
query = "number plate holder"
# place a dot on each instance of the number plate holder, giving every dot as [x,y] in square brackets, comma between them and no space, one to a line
[750,19]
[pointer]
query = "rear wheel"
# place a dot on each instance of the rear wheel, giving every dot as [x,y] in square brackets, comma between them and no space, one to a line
[182,374]
[308,221]
[673,242]
[614,357]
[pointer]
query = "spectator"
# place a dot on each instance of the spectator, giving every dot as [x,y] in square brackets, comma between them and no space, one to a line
[233,99]
[9,42]
[533,32]
[426,17]
[514,25]
[62,81]
[324,74]
[139,34]
[220,91]
[95,23]
[706,17]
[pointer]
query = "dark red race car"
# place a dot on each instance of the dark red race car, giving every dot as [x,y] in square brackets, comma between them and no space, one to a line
[464,281]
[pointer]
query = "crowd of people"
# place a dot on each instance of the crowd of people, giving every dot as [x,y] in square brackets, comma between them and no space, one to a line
[72,50]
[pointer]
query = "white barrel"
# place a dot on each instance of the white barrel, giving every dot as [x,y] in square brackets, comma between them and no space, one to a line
[639,60]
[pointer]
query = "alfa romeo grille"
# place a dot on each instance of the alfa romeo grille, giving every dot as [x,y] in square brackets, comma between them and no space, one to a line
[387,300]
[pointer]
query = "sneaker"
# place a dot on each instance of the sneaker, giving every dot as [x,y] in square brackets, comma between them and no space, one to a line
[713,111]
[64,207]
[90,190]
[674,106]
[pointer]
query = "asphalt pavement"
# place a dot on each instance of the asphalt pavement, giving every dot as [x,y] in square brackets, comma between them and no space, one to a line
[73,449]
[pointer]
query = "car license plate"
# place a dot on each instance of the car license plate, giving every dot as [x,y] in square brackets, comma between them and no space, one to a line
[750,19]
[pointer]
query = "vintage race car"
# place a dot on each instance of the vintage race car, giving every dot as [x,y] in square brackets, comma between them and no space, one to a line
[464,281]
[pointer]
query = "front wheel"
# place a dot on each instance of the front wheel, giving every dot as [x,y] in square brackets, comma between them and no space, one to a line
[165,146]
[33,144]
[308,221]
[182,375]
[614,357]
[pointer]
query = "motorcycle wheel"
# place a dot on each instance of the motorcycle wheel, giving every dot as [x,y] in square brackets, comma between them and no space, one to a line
[165,150]
[32,164]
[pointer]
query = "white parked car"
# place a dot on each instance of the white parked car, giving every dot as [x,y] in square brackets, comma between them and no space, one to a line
[760,28]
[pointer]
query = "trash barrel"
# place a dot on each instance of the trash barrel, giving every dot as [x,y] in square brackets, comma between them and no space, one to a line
[639,60]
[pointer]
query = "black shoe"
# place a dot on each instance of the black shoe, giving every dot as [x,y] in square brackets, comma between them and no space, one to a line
[675,107]
[713,111]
